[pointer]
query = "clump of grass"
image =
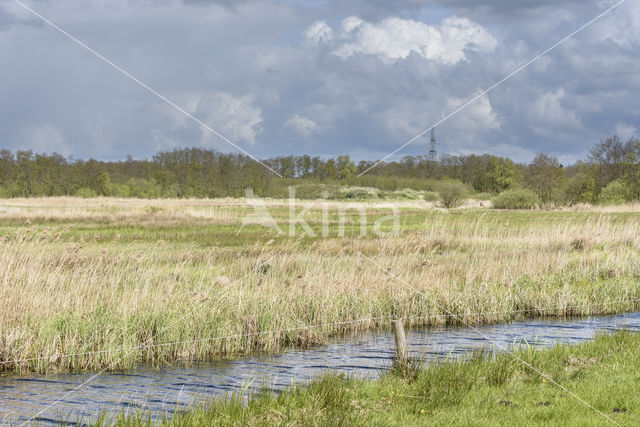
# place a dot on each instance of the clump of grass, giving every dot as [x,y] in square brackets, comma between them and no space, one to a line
[579,244]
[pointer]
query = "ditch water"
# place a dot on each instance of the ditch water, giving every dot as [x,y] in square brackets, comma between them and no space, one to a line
[162,392]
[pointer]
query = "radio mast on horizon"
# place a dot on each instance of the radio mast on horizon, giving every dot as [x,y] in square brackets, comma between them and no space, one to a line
[433,155]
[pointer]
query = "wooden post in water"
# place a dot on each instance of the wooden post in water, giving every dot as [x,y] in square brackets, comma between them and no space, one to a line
[401,343]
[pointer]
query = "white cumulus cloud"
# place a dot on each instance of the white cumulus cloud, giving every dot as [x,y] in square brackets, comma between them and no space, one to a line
[302,125]
[236,117]
[479,116]
[394,38]
[550,108]
[319,32]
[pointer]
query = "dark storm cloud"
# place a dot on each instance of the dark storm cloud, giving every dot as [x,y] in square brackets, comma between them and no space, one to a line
[232,4]
[503,7]
[290,76]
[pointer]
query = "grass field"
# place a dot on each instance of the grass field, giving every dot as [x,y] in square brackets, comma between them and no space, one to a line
[107,283]
[601,378]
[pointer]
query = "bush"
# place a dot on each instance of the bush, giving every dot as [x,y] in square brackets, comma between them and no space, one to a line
[580,189]
[359,193]
[171,192]
[516,199]
[86,192]
[430,196]
[121,190]
[317,191]
[144,188]
[451,193]
[3,193]
[393,183]
[17,189]
[406,194]
[615,193]
[482,196]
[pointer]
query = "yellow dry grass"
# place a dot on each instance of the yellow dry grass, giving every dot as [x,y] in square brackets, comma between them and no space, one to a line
[103,275]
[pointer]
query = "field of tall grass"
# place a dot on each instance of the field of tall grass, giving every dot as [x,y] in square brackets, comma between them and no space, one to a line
[108,283]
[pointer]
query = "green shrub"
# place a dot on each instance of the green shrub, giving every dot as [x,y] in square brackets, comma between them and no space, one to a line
[359,193]
[308,191]
[451,193]
[86,192]
[3,193]
[393,183]
[430,196]
[615,193]
[407,194]
[144,188]
[105,187]
[580,189]
[171,192]
[317,191]
[404,194]
[483,196]
[121,190]
[17,189]
[516,199]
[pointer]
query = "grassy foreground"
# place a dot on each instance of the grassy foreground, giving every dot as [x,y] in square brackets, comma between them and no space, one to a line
[497,391]
[107,283]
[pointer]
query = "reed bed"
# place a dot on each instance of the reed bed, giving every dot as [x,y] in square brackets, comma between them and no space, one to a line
[104,283]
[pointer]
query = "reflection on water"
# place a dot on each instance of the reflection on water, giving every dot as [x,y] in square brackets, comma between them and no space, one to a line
[165,390]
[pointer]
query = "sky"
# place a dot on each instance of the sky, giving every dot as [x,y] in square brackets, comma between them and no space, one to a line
[318,77]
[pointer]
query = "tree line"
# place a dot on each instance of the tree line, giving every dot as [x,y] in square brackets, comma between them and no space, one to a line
[612,169]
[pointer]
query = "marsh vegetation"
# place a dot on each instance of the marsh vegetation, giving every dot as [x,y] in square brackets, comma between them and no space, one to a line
[112,283]
[481,390]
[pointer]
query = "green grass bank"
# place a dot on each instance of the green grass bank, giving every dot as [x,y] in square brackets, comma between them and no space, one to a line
[602,377]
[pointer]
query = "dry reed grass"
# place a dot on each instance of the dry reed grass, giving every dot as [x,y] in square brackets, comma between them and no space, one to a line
[73,281]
